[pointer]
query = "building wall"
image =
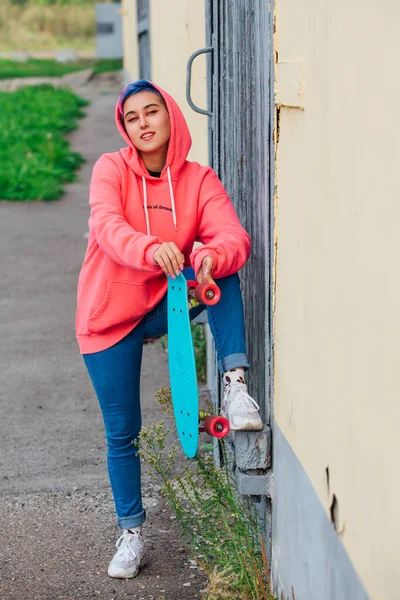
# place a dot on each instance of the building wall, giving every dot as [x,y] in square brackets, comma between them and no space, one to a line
[177,29]
[337,324]
[108,30]
[129,38]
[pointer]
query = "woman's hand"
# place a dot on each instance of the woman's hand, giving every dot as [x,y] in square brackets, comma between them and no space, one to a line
[169,258]
[204,274]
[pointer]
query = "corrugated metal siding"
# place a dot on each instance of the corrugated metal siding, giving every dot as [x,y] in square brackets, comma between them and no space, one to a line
[240,36]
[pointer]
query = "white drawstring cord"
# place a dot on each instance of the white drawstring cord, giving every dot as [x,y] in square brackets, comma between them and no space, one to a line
[146,212]
[171,193]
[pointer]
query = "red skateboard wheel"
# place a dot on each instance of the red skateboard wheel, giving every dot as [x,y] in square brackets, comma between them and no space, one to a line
[192,285]
[208,293]
[216,426]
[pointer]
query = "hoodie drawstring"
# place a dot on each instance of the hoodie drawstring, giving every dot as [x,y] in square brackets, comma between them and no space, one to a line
[146,210]
[171,193]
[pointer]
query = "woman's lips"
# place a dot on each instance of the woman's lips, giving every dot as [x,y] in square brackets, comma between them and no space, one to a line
[147,136]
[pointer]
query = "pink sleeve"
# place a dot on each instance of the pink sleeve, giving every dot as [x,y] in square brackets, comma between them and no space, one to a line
[115,236]
[219,229]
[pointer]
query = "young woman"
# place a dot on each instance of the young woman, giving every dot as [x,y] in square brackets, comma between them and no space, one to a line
[149,205]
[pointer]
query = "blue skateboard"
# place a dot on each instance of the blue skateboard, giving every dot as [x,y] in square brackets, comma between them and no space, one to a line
[182,364]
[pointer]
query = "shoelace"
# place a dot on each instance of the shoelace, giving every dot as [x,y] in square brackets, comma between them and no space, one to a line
[244,398]
[124,548]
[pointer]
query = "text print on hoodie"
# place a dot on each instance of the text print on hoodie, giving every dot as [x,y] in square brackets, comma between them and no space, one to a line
[132,213]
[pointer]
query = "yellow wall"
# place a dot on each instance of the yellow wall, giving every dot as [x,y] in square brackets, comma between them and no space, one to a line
[337,319]
[129,34]
[177,29]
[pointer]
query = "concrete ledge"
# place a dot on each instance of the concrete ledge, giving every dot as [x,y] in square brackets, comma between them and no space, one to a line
[253,449]
[254,484]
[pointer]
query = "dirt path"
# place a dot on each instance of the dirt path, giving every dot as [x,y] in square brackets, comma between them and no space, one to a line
[57,524]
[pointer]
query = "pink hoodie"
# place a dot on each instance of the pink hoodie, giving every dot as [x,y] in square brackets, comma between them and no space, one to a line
[132,213]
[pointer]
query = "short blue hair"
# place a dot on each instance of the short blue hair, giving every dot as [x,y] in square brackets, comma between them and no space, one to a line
[134,88]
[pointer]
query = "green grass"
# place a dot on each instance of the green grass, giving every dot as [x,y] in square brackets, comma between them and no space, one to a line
[200,350]
[50,68]
[35,156]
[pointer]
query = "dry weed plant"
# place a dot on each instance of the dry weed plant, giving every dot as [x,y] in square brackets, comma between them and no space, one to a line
[32,27]
[222,527]
[220,584]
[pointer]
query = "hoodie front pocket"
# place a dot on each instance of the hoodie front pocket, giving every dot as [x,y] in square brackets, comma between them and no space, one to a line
[123,303]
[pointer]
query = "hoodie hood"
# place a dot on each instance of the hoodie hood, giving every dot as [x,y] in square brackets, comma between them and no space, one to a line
[179,144]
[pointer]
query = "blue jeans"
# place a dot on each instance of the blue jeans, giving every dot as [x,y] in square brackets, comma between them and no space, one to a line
[115,374]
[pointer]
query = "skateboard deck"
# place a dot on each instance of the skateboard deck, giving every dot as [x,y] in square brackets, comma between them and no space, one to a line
[182,366]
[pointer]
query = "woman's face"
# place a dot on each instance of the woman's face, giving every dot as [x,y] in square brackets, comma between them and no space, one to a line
[147,122]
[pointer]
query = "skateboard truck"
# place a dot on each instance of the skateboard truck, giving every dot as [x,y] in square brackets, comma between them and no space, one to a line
[202,293]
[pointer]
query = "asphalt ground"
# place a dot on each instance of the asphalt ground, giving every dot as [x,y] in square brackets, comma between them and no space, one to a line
[57,521]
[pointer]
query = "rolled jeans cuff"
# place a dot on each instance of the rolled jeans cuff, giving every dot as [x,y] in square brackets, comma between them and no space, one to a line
[133,521]
[232,362]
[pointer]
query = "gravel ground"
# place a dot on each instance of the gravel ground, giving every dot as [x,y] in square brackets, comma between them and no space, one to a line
[57,523]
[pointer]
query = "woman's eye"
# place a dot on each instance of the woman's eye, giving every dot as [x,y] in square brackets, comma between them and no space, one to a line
[152,112]
[132,119]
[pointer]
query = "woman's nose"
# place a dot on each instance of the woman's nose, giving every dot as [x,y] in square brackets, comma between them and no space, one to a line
[142,122]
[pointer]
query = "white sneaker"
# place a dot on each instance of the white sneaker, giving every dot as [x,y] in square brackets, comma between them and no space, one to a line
[240,409]
[130,556]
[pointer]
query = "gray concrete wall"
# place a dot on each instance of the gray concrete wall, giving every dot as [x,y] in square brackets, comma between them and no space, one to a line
[109,31]
[307,554]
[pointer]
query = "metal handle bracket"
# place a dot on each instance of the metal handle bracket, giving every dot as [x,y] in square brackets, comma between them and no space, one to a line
[189,81]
